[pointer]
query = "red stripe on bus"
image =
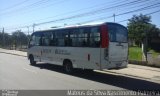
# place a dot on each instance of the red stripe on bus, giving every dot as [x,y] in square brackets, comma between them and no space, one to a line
[104,36]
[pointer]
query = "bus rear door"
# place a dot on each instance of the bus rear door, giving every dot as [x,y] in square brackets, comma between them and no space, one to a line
[118,44]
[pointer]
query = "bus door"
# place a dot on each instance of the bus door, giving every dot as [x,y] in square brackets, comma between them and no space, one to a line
[46,50]
[118,44]
[35,46]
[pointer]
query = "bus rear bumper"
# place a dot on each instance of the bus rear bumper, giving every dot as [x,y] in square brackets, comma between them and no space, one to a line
[117,64]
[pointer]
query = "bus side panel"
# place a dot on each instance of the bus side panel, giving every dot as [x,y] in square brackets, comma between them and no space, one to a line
[36,52]
[85,58]
[49,55]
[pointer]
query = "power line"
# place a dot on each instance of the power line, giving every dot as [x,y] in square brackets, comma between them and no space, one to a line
[86,8]
[144,8]
[153,12]
[76,11]
[140,9]
[87,13]
[105,18]
[28,6]
[113,6]
[138,4]
[82,15]
[145,14]
[97,11]
[15,5]
[45,6]
[93,12]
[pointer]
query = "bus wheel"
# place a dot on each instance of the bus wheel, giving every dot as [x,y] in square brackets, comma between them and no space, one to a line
[31,58]
[68,67]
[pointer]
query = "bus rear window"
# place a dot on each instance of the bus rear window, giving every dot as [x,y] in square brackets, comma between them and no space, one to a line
[117,33]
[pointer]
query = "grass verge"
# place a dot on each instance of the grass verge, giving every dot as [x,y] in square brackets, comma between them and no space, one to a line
[154,53]
[135,53]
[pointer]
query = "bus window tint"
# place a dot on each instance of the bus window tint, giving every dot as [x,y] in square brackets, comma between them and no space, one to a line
[73,37]
[79,37]
[95,37]
[36,39]
[67,40]
[52,41]
[83,37]
[121,34]
[46,38]
[117,33]
[76,37]
[61,37]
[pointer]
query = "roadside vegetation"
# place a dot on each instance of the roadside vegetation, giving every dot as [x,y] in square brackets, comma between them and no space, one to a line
[17,39]
[135,53]
[154,53]
[142,31]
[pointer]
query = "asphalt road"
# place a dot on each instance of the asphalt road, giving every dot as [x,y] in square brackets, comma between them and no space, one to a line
[16,73]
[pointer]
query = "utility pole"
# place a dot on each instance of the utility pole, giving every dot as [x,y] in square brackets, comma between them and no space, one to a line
[28,37]
[34,27]
[114,16]
[20,39]
[3,39]
[146,45]
[28,30]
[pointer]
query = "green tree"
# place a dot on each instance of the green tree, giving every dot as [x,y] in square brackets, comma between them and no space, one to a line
[154,38]
[138,27]
[5,39]
[142,31]
[19,38]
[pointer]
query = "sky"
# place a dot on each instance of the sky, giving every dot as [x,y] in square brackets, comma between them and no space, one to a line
[22,14]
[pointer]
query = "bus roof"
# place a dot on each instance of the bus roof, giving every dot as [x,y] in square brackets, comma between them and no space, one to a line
[76,26]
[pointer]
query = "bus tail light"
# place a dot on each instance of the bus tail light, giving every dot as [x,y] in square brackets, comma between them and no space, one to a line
[104,36]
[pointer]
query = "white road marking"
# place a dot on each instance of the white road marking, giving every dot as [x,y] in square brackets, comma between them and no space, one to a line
[30,70]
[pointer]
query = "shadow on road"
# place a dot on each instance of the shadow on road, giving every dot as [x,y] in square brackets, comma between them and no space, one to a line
[115,80]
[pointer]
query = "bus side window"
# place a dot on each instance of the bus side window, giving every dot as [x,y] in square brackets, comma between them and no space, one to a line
[32,43]
[46,38]
[61,37]
[53,39]
[84,42]
[35,39]
[67,40]
[73,37]
[83,37]
[95,37]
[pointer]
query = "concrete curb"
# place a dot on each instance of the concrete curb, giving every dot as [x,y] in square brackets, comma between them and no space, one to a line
[143,63]
[13,54]
[138,62]
[128,75]
[145,68]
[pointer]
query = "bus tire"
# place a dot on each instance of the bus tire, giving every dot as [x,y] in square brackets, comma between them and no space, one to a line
[31,58]
[68,66]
